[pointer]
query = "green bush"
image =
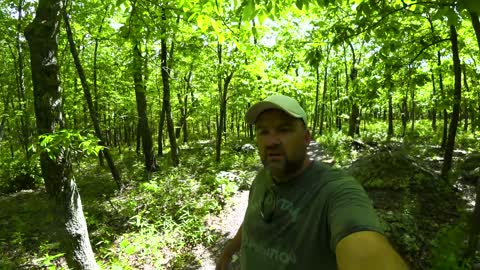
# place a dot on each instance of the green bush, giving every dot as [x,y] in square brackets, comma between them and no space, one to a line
[447,249]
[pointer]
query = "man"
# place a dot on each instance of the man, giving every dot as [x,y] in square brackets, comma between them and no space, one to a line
[302,214]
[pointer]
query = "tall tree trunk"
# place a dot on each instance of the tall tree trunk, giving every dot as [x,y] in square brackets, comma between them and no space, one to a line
[324,96]
[331,105]
[88,97]
[21,84]
[95,88]
[42,36]
[141,100]
[390,112]
[183,101]
[223,84]
[442,94]
[161,124]
[412,96]
[476,26]
[317,93]
[166,95]
[354,122]
[185,122]
[434,106]
[404,114]
[338,110]
[465,100]
[250,127]
[457,97]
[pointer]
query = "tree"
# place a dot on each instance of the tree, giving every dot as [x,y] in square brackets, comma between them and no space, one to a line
[88,96]
[457,97]
[42,37]
[166,69]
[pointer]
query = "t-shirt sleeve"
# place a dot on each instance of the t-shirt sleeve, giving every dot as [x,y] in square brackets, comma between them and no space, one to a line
[350,210]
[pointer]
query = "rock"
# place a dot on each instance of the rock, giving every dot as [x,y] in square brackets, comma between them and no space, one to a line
[245,148]
[248,148]
[389,169]
[470,169]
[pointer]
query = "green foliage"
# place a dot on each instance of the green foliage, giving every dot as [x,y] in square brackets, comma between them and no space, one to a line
[71,140]
[403,228]
[338,145]
[47,261]
[447,248]
[19,174]
[166,215]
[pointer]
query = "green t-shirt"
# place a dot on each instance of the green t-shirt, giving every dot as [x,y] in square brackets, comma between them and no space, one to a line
[303,220]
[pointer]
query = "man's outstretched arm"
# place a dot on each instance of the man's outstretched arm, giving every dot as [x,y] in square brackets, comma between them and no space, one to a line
[232,247]
[367,250]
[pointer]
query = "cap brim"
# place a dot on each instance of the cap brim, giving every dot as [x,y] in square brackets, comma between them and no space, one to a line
[257,109]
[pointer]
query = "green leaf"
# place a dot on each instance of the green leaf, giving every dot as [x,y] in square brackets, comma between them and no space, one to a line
[249,10]
[130,249]
[201,23]
[299,4]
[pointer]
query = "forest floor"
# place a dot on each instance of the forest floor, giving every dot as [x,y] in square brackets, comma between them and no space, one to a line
[421,220]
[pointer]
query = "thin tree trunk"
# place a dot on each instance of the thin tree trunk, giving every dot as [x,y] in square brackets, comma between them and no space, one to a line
[412,96]
[95,88]
[223,84]
[141,100]
[442,94]
[317,91]
[42,36]
[185,122]
[338,110]
[250,127]
[465,100]
[324,96]
[434,108]
[138,137]
[404,115]
[88,97]
[476,26]
[354,122]
[21,84]
[161,124]
[390,112]
[457,97]
[166,95]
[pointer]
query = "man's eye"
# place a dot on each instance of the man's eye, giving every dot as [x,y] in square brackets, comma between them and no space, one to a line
[262,131]
[284,129]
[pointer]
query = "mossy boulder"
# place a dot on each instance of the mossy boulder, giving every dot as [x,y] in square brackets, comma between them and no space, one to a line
[389,169]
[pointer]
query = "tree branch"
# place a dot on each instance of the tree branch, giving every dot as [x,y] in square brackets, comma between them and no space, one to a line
[426,47]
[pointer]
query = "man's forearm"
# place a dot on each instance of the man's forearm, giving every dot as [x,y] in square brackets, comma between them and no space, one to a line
[234,244]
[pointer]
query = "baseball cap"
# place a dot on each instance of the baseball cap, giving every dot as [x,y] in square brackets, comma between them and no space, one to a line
[280,102]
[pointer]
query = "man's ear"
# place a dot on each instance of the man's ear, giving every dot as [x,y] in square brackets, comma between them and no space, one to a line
[308,136]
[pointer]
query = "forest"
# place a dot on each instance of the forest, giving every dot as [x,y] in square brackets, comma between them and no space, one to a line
[123,137]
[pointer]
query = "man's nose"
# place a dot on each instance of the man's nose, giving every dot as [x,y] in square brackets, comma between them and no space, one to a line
[272,139]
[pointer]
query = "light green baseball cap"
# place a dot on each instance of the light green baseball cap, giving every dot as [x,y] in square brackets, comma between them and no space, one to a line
[279,102]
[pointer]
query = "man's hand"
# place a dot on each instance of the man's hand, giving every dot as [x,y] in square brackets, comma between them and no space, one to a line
[233,246]
[223,262]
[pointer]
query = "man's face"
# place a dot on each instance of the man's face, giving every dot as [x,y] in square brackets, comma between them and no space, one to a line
[282,142]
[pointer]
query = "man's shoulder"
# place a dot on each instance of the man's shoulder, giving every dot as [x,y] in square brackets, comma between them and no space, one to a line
[331,177]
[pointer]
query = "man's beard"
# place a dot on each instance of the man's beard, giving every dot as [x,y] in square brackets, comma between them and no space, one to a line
[285,167]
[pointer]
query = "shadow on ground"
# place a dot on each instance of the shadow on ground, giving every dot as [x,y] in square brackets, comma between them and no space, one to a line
[27,233]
